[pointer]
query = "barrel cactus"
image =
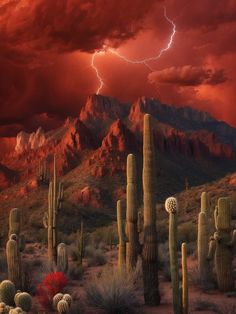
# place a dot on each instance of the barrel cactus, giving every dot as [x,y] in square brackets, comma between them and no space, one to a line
[62,258]
[221,245]
[24,301]
[7,292]
[57,297]
[63,307]
[171,206]
[67,297]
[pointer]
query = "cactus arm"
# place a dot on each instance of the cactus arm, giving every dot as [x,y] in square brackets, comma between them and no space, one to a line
[45,220]
[212,248]
[232,242]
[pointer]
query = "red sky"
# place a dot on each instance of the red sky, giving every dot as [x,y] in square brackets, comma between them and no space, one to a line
[46,49]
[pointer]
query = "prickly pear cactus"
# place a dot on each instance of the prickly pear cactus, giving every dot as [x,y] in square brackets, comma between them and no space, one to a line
[7,292]
[221,245]
[24,301]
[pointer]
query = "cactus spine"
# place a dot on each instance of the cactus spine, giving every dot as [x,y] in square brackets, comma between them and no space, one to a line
[7,292]
[122,238]
[150,246]
[204,266]
[62,258]
[221,245]
[132,245]
[184,279]
[55,198]
[171,206]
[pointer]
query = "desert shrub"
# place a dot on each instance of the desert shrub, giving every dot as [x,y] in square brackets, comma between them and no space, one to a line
[76,271]
[226,308]
[51,284]
[30,249]
[107,235]
[204,305]
[95,257]
[113,292]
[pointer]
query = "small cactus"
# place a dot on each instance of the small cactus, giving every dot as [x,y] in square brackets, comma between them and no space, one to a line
[7,292]
[15,221]
[67,297]
[58,297]
[171,206]
[63,307]
[62,258]
[24,301]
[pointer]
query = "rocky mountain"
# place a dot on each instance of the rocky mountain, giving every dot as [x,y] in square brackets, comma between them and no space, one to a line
[191,144]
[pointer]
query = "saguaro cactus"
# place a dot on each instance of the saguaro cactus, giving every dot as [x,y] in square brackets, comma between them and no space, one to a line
[62,258]
[204,267]
[13,262]
[150,246]
[132,244]
[184,279]
[171,206]
[221,245]
[55,198]
[122,237]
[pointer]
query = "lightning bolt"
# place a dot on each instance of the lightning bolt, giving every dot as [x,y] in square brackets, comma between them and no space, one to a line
[144,61]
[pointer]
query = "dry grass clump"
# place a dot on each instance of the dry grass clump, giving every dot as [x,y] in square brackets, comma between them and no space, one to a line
[113,292]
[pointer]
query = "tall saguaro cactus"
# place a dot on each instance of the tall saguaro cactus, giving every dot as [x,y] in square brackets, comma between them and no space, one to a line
[222,243]
[171,206]
[132,245]
[55,198]
[150,246]
[80,243]
[122,238]
[204,266]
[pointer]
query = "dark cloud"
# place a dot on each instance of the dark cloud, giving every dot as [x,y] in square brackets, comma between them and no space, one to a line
[188,75]
[30,28]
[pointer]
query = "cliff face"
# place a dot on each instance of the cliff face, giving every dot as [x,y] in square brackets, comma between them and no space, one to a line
[107,130]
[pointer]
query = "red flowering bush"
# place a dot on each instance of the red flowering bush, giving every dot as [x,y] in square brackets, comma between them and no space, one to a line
[51,285]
